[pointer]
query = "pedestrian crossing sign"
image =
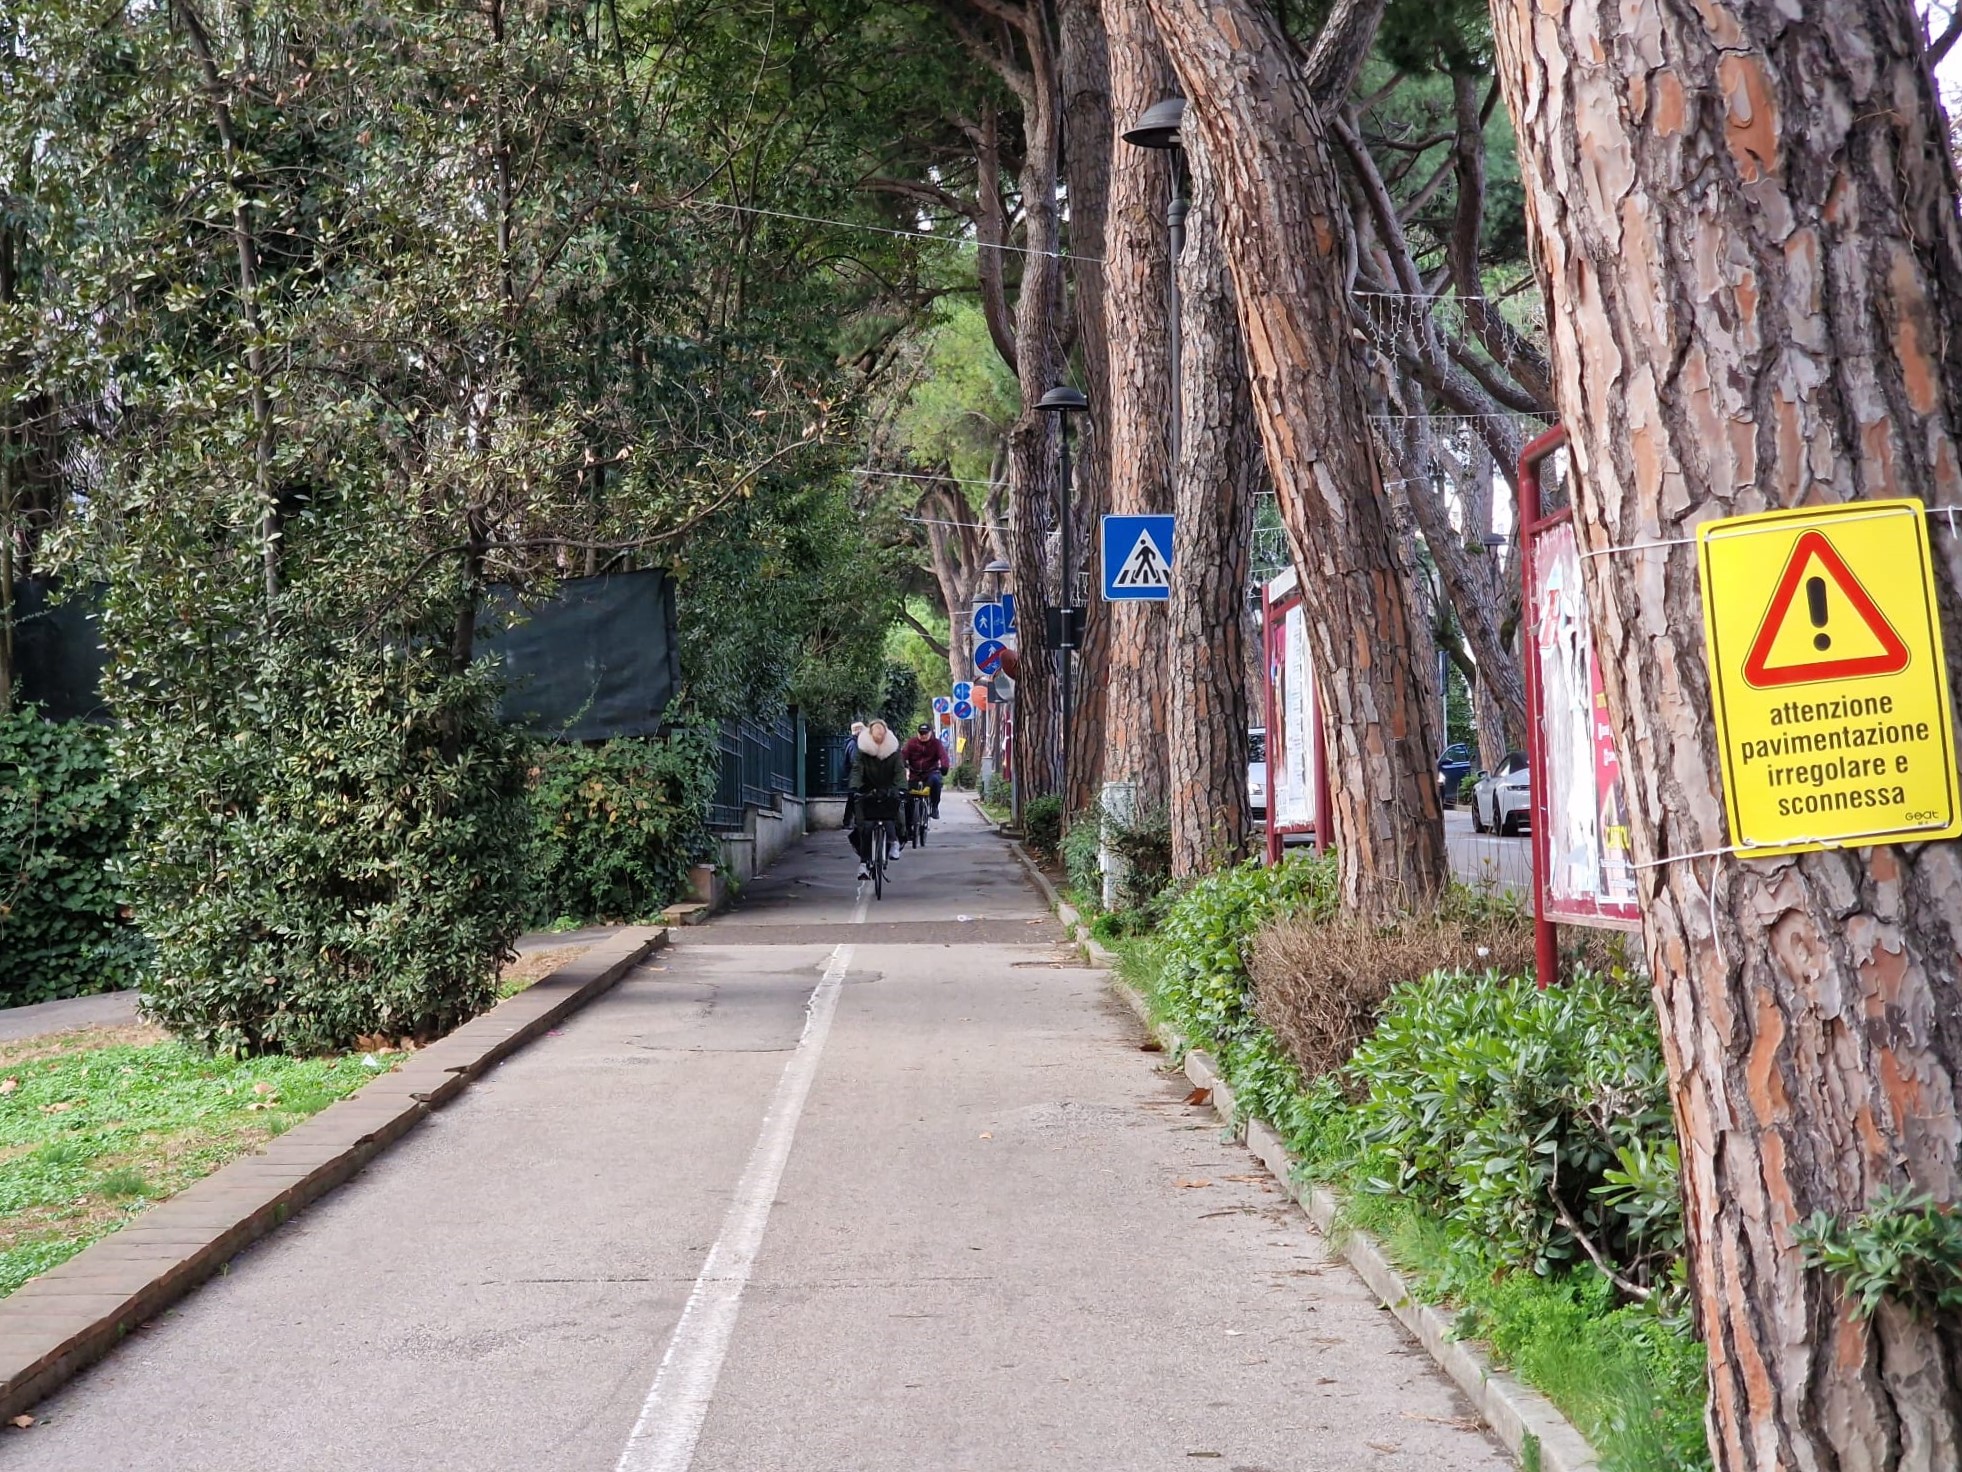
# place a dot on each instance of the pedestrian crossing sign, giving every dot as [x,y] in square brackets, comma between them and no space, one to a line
[1137,558]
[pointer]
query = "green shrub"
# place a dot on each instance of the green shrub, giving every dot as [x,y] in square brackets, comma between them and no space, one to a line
[1905,1248]
[1143,844]
[1080,855]
[64,929]
[1538,1121]
[1472,1090]
[1208,929]
[330,847]
[1042,824]
[618,826]
[962,776]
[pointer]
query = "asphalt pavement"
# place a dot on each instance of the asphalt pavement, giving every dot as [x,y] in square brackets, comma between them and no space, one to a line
[831,1184]
[1503,861]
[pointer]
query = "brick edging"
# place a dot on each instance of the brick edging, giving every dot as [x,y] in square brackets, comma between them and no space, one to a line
[1530,1426]
[56,1325]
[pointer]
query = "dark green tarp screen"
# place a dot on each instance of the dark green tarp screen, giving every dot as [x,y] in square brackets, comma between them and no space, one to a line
[600,659]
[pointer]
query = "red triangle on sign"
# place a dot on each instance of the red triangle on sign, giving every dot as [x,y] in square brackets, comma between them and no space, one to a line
[1893,655]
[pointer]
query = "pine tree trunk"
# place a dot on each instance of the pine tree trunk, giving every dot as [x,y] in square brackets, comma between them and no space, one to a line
[1085,66]
[1746,227]
[1034,450]
[1287,241]
[1137,275]
[1218,471]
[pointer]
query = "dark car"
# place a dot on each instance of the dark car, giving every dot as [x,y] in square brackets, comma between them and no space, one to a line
[1451,770]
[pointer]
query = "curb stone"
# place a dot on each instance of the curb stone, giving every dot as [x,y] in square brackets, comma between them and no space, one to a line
[1529,1425]
[58,1324]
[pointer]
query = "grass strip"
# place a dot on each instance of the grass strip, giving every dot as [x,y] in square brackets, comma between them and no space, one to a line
[98,1124]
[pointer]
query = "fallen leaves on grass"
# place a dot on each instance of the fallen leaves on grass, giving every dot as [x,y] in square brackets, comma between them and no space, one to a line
[8,1085]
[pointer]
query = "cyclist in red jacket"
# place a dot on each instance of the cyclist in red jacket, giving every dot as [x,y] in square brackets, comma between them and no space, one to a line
[926,761]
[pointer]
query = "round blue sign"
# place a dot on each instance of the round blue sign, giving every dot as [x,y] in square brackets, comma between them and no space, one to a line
[962,690]
[963,711]
[941,705]
[987,655]
[990,620]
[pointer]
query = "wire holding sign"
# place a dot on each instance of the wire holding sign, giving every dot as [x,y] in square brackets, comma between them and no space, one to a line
[1828,678]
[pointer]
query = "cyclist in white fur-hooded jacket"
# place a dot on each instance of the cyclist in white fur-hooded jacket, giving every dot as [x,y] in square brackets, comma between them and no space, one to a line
[876,767]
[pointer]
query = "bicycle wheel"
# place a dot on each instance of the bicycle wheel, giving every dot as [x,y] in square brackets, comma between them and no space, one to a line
[881,836]
[920,821]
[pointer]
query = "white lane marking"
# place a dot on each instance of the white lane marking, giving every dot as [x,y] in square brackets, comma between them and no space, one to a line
[671,1418]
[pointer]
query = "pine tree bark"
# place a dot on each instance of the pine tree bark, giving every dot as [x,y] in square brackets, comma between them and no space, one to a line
[1138,279]
[1085,67]
[1287,240]
[1020,48]
[1745,219]
[1218,473]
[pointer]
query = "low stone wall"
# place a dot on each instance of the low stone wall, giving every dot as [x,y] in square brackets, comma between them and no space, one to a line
[766,834]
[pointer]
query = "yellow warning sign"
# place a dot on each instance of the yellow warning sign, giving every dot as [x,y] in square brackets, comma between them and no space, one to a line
[1827,674]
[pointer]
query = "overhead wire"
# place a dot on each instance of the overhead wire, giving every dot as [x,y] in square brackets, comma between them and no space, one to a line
[750,209]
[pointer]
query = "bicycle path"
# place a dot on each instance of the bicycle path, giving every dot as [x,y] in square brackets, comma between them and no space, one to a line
[828,1186]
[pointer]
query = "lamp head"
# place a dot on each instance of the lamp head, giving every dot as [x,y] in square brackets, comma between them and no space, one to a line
[1159,127]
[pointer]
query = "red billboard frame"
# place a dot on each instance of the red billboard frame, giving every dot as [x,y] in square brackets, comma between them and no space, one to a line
[1548,912]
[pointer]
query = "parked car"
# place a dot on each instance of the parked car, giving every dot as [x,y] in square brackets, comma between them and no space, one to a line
[1451,769]
[1504,799]
[1257,770]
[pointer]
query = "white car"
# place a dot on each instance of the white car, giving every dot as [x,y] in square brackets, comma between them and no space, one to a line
[1504,799]
[1257,770]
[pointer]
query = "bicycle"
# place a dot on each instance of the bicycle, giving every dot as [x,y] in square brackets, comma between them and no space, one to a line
[877,812]
[918,798]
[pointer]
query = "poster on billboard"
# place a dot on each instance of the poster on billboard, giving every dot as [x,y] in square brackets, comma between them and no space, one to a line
[1589,873]
[1293,755]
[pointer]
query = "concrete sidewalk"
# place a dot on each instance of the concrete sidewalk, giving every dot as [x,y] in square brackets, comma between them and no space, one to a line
[998,1240]
[108,1009]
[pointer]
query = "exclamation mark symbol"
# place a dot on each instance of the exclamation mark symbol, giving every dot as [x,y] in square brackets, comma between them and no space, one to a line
[1815,600]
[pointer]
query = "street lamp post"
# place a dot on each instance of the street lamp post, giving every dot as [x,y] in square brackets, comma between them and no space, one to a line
[1063,401]
[1158,128]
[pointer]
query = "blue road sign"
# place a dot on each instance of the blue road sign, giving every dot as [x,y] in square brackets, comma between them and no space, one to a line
[987,655]
[1137,558]
[942,704]
[1008,609]
[963,711]
[990,620]
[963,690]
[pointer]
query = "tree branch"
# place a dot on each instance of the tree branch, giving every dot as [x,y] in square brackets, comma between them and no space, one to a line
[923,631]
[1504,342]
[1341,48]
[1939,48]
